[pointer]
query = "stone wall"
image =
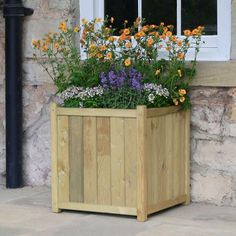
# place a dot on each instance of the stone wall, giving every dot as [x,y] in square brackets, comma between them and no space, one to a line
[213,133]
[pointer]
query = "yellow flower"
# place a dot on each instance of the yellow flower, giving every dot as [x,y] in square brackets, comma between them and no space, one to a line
[84,21]
[169,33]
[111,39]
[127,62]
[168,48]
[180,73]
[63,26]
[98,20]
[182,99]
[93,46]
[36,43]
[126,31]
[48,39]
[109,56]
[57,45]
[175,101]
[76,29]
[158,71]
[182,92]
[128,45]
[126,22]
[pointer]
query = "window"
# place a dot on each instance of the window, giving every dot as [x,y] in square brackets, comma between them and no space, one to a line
[215,15]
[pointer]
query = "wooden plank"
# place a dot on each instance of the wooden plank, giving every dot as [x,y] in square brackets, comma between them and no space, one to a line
[99,208]
[90,160]
[63,158]
[130,162]
[187,156]
[104,161]
[166,204]
[129,113]
[76,159]
[117,162]
[155,112]
[54,160]
[141,163]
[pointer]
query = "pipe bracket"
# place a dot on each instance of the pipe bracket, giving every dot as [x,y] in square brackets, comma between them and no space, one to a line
[16,10]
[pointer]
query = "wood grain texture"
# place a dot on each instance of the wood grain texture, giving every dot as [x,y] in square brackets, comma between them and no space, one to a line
[117,162]
[141,164]
[54,158]
[90,160]
[63,158]
[130,162]
[104,161]
[76,159]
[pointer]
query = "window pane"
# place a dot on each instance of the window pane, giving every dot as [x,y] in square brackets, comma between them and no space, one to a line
[200,12]
[121,10]
[156,11]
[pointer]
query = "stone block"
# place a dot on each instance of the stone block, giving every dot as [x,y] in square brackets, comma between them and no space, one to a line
[216,155]
[214,188]
[34,74]
[59,4]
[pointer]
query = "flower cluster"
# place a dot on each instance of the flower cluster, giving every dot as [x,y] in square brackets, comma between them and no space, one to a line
[117,79]
[143,65]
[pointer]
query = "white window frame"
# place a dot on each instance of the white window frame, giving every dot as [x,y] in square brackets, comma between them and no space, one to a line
[216,47]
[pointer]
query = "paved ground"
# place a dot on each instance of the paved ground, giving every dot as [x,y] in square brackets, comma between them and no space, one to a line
[26,212]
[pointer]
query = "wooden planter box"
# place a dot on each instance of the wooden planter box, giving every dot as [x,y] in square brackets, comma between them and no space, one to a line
[130,162]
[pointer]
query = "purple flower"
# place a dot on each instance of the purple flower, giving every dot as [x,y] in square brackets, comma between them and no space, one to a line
[118,79]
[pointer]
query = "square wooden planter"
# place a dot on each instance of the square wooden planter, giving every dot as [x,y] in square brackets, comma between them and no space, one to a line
[131,162]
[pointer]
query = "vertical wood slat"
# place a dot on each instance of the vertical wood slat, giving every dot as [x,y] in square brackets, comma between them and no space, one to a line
[141,164]
[130,162]
[54,160]
[117,162]
[90,160]
[76,159]
[63,158]
[187,156]
[103,161]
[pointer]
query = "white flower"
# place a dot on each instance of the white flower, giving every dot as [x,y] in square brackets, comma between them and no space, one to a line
[151,98]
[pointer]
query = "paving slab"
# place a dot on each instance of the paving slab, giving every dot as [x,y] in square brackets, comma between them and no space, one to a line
[26,212]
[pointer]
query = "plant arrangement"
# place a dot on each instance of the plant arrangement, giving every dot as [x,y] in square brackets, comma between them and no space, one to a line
[144,65]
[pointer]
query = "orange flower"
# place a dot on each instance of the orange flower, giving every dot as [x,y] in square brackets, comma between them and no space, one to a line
[181,55]
[187,33]
[179,43]
[111,39]
[36,43]
[122,37]
[195,32]
[128,45]
[109,56]
[182,92]
[57,45]
[126,31]
[145,28]
[168,33]
[127,62]
[174,39]
[44,48]
[99,55]
[63,26]
[150,42]
[84,21]
[102,47]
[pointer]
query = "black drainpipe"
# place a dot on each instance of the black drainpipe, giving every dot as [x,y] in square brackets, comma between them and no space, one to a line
[14,11]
